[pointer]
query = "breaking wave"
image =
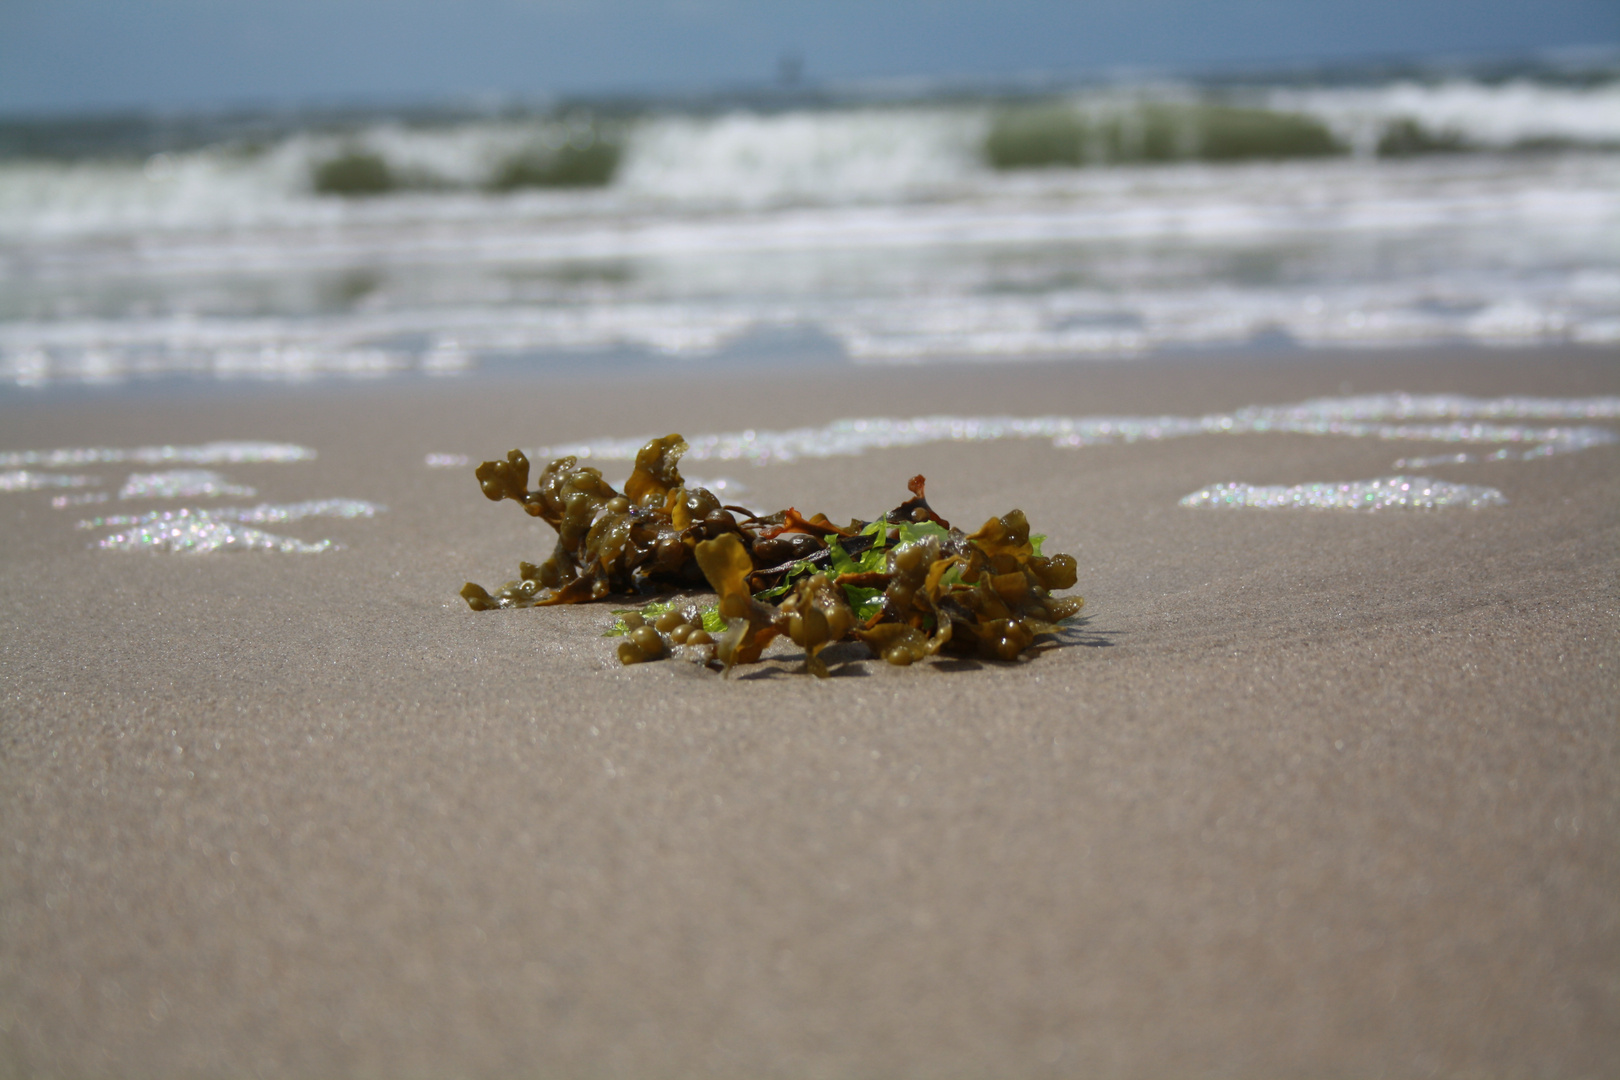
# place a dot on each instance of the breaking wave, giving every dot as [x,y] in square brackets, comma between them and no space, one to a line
[746,157]
[1110,221]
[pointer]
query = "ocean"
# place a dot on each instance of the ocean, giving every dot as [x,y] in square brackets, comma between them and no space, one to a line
[1097,222]
[1393,210]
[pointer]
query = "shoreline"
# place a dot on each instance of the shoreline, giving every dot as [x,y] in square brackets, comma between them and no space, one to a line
[1502,364]
[1313,792]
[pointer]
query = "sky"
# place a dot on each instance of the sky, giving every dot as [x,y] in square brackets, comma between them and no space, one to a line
[99,55]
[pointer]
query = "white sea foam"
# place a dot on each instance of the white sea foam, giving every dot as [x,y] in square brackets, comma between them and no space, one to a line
[262,514]
[1073,262]
[202,530]
[89,498]
[202,536]
[750,159]
[1384,493]
[214,453]
[1432,460]
[1495,115]
[1435,418]
[33,480]
[181,484]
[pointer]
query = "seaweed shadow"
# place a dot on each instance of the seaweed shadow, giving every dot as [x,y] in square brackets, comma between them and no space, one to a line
[850,659]
[1076,633]
[844,660]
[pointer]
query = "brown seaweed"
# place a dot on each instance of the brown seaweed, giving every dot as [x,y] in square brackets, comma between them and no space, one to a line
[907,585]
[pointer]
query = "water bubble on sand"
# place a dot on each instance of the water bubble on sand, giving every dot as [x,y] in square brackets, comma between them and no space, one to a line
[201,536]
[1434,418]
[33,480]
[214,453]
[1438,459]
[1384,493]
[181,484]
[198,530]
[64,502]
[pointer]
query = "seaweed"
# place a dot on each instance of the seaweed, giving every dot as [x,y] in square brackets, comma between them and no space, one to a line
[1056,134]
[567,167]
[354,173]
[907,585]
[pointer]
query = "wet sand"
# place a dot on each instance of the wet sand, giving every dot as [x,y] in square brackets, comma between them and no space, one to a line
[1310,793]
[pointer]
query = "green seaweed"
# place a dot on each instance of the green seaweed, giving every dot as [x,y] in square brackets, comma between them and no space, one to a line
[708,616]
[354,173]
[568,167]
[1048,135]
[1408,138]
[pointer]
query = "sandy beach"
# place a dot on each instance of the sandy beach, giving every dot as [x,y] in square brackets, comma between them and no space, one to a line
[1309,793]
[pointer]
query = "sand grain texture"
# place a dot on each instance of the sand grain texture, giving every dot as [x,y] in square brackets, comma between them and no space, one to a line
[1311,794]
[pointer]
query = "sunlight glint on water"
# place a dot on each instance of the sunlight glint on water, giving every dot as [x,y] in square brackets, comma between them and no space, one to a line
[1385,493]
[1510,422]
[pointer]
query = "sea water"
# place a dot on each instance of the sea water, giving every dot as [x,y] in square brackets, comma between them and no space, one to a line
[1097,221]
